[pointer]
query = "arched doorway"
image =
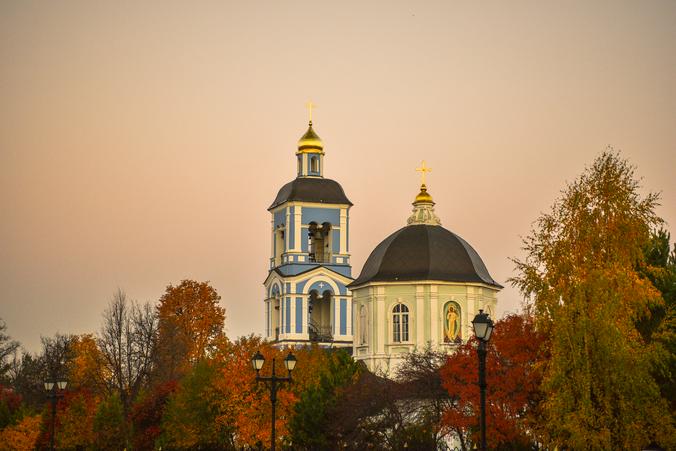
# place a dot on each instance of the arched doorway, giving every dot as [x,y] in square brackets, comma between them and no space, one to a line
[319,316]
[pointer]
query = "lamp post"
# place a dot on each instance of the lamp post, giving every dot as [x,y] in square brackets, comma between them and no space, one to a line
[483,328]
[273,381]
[54,392]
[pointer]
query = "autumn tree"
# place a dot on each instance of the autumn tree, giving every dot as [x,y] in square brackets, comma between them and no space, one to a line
[190,320]
[23,436]
[76,420]
[582,279]
[513,380]
[127,343]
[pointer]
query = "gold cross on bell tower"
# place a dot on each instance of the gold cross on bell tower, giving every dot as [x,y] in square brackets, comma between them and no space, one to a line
[423,171]
[310,106]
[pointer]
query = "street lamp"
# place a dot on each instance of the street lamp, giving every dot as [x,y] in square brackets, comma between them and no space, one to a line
[54,392]
[483,328]
[272,381]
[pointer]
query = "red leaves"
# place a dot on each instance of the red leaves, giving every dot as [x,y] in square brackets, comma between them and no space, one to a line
[512,381]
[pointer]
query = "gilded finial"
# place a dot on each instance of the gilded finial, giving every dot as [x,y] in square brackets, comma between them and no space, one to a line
[309,105]
[423,172]
[423,205]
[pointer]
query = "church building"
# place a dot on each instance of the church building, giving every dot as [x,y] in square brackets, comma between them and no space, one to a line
[307,299]
[420,286]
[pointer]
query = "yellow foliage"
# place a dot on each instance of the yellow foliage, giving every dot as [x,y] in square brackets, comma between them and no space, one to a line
[22,436]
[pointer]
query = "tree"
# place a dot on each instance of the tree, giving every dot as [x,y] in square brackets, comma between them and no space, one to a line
[190,321]
[659,327]
[581,280]
[8,348]
[190,416]
[513,381]
[147,413]
[76,420]
[420,381]
[21,437]
[127,343]
[110,425]
[309,426]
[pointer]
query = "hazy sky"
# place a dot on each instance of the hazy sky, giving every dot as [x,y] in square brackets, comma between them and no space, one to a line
[142,142]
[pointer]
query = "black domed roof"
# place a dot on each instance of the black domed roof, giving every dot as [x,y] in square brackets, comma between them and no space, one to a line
[311,189]
[424,252]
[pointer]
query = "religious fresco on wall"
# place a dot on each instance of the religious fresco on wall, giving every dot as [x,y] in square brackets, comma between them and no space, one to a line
[452,323]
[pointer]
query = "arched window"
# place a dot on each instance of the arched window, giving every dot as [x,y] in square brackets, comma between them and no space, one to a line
[400,323]
[319,242]
[314,164]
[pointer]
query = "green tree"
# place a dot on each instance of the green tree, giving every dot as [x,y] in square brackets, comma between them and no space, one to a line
[583,283]
[659,326]
[110,426]
[309,426]
[190,417]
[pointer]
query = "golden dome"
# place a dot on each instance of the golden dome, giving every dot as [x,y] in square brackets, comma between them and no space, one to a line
[423,196]
[310,142]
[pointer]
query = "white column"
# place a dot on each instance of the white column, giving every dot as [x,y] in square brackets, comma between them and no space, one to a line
[434,315]
[292,311]
[305,318]
[420,315]
[297,226]
[286,229]
[348,316]
[381,321]
[343,231]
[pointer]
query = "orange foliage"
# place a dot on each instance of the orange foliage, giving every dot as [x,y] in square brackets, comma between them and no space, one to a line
[22,436]
[191,314]
[76,420]
[86,367]
[246,402]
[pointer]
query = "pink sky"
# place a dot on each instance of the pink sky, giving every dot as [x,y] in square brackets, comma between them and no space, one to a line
[141,142]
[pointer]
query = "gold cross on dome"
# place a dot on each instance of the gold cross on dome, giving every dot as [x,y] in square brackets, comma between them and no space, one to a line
[423,171]
[309,105]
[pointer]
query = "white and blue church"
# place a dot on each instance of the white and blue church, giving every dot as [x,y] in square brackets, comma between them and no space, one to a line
[421,286]
[307,299]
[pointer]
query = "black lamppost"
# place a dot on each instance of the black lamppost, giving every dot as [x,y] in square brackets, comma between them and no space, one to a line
[272,381]
[483,328]
[54,392]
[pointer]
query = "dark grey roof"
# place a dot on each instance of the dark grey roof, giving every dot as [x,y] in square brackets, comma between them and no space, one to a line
[424,252]
[310,189]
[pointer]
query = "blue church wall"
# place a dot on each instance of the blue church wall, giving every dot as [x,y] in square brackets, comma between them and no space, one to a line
[326,287]
[343,316]
[336,241]
[288,287]
[299,315]
[303,239]
[288,315]
[321,215]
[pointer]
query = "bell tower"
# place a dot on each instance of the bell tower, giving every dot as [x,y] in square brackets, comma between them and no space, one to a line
[306,295]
